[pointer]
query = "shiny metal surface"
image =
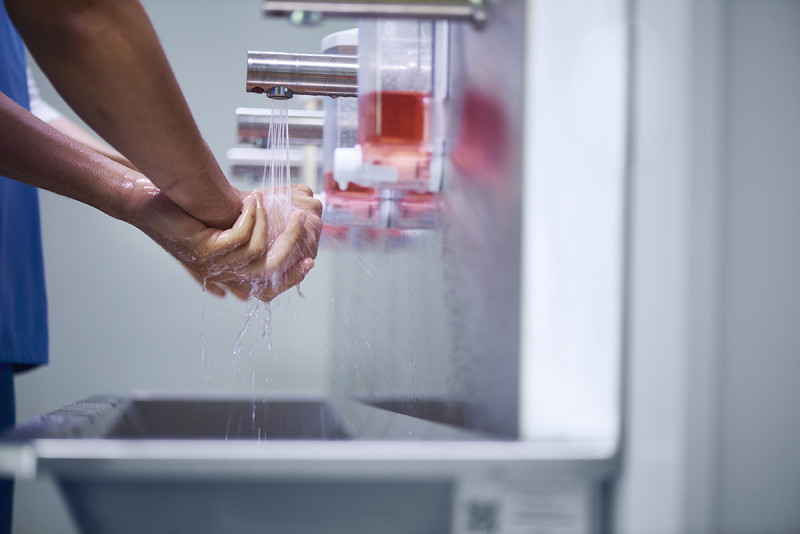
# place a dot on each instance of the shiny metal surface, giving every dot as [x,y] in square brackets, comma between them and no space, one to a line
[279,93]
[305,126]
[177,463]
[247,163]
[475,11]
[437,314]
[162,434]
[281,75]
[164,416]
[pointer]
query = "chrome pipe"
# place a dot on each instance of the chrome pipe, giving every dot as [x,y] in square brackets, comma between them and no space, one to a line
[281,75]
[248,163]
[305,126]
[303,11]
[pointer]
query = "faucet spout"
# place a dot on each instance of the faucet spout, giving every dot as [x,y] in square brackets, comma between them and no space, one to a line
[280,93]
[281,75]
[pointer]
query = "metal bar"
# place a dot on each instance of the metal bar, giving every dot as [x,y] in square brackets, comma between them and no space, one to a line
[305,126]
[248,163]
[468,10]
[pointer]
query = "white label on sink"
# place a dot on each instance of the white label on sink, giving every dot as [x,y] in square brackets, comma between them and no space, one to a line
[498,504]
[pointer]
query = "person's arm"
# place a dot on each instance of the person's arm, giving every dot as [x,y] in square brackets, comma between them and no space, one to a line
[105,60]
[75,131]
[242,257]
[43,111]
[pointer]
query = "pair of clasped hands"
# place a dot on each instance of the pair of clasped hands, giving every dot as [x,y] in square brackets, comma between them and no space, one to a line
[268,250]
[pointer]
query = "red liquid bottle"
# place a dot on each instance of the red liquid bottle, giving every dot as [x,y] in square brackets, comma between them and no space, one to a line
[394,131]
[394,86]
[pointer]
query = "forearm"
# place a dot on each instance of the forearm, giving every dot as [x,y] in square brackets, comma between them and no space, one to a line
[33,152]
[76,132]
[105,60]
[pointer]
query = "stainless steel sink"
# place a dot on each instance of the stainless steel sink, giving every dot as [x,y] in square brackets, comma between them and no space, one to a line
[229,420]
[311,465]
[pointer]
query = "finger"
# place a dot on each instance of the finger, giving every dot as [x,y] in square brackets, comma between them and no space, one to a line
[284,251]
[256,247]
[308,243]
[239,233]
[215,289]
[307,203]
[216,243]
[291,278]
[313,225]
[302,189]
[238,288]
[263,289]
[207,285]
[313,228]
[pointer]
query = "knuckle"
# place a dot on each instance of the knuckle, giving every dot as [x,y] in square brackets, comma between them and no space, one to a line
[304,189]
[258,247]
[202,255]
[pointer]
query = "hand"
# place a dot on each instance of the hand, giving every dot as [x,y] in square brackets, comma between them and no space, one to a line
[254,257]
[219,290]
[303,201]
[293,231]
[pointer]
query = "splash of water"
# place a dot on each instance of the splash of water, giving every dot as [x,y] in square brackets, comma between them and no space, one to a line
[206,363]
[252,311]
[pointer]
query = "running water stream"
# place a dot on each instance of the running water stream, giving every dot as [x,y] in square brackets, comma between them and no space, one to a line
[276,191]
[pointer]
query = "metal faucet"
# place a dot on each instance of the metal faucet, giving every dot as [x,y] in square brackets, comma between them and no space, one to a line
[281,75]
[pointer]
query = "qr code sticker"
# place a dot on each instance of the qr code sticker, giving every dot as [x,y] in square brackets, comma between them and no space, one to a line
[483,516]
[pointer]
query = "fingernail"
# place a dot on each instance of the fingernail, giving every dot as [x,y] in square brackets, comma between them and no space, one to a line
[308,263]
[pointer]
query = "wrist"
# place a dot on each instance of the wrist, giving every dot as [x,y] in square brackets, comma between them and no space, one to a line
[204,193]
[234,202]
[141,200]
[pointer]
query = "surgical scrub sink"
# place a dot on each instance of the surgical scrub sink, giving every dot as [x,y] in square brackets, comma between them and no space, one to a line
[171,464]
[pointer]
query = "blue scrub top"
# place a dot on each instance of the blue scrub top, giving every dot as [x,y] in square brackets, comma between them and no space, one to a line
[23,304]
